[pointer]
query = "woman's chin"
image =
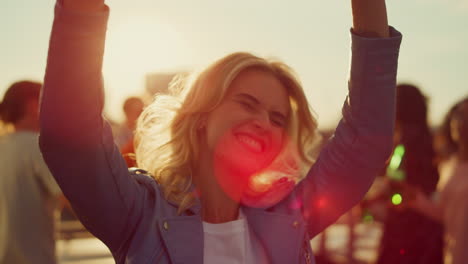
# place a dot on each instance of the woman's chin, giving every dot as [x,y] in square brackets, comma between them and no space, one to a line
[265,199]
[242,163]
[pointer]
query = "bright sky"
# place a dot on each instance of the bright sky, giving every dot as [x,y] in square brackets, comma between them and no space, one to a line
[310,35]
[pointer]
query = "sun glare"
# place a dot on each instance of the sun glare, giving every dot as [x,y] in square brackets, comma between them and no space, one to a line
[134,48]
[139,46]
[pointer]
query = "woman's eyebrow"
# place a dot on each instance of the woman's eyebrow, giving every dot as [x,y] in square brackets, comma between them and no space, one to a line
[256,101]
[248,97]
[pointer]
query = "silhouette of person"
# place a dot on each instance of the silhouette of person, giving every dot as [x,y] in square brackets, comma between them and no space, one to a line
[28,192]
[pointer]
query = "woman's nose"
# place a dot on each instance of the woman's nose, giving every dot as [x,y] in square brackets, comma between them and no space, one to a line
[262,121]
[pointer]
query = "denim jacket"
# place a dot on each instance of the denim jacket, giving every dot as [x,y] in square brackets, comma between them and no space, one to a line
[127,211]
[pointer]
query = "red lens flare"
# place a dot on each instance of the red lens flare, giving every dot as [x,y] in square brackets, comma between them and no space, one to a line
[257,179]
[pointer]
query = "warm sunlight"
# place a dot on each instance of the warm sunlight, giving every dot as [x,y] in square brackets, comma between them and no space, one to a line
[342,170]
[135,47]
[141,45]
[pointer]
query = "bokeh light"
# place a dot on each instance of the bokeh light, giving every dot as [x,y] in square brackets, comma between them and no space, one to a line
[397,199]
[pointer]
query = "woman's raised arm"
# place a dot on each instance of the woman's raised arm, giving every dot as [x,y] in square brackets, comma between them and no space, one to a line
[75,140]
[362,141]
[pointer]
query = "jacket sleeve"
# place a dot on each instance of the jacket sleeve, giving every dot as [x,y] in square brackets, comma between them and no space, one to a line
[75,140]
[41,171]
[349,162]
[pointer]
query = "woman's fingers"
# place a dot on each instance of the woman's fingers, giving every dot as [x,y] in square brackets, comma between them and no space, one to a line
[370,18]
[84,5]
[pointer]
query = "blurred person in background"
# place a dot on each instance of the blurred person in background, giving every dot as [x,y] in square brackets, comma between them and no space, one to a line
[410,237]
[132,107]
[210,143]
[124,133]
[450,206]
[28,192]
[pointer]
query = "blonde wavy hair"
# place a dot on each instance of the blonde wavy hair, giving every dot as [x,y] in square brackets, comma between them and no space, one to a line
[166,139]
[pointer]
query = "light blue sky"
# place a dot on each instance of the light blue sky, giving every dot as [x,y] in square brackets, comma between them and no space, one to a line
[310,35]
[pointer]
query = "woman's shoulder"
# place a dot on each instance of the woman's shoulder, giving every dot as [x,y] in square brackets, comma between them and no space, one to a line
[155,200]
[22,140]
[145,178]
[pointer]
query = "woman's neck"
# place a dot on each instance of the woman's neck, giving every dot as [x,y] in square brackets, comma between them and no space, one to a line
[217,206]
[26,125]
[217,210]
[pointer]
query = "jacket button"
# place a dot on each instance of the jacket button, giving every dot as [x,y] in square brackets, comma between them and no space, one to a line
[166,225]
[295,224]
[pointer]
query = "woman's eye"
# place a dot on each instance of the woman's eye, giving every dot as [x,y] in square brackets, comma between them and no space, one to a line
[278,122]
[247,106]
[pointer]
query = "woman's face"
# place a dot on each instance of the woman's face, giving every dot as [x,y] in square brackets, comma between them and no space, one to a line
[247,130]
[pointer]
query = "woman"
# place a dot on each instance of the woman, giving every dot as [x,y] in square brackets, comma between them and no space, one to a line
[451,206]
[242,116]
[408,235]
[27,189]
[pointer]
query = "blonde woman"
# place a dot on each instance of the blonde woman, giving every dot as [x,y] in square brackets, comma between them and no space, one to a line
[211,147]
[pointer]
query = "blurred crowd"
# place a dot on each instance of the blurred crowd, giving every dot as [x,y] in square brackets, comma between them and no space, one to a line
[419,197]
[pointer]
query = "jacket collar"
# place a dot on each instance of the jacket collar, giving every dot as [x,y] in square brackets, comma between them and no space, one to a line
[184,237]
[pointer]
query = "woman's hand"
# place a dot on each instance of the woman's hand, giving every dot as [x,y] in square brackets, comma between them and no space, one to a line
[84,5]
[370,18]
[420,202]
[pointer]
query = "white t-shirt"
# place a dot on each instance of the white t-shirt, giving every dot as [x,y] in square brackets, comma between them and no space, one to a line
[231,243]
[28,195]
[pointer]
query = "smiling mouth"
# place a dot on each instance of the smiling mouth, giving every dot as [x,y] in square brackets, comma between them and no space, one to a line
[251,143]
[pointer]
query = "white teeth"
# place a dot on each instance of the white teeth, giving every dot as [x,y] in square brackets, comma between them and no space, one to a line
[250,142]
